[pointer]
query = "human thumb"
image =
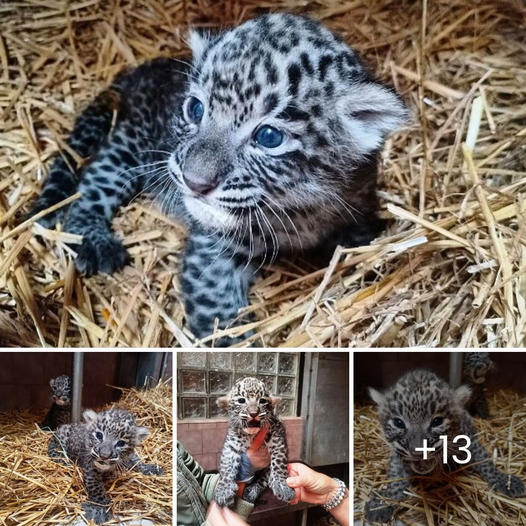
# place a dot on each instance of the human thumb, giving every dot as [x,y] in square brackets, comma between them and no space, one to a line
[293,482]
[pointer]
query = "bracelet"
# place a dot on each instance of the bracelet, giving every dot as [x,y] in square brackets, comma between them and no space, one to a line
[338,496]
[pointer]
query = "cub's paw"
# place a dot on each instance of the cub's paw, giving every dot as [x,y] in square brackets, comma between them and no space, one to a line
[100,252]
[377,511]
[151,469]
[95,512]
[225,493]
[282,491]
[509,485]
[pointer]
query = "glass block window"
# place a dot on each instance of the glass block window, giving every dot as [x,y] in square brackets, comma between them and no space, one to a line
[204,376]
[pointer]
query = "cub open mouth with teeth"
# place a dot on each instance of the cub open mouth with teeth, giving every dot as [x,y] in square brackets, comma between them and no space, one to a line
[252,427]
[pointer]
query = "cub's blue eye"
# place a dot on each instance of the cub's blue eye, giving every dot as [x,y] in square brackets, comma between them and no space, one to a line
[437,421]
[399,423]
[120,443]
[195,110]
[262,400]
[268,137]
[241,400]
[99,435]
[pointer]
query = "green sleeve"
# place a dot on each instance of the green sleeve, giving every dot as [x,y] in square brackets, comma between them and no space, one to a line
[206,482]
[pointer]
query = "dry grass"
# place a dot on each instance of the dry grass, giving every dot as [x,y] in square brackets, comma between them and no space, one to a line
[35,490]
[449,270]
[459,498]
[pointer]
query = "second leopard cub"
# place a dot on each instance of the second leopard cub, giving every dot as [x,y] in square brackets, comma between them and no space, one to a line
[103,444]
[250,407]
[60,411]
[421,406]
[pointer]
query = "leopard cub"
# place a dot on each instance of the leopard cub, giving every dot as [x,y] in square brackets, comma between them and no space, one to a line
[103,444]
[421,406]
[250,408]
[60,411]
[476,367]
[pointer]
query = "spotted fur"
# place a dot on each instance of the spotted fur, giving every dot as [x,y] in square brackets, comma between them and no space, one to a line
[60,411]
[422,406]
[250,406]
[104,443]
[476,367]
[245,204]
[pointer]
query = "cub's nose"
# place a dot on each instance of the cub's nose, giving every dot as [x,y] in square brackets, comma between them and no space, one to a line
[105,452]
[199,184]
[253,415]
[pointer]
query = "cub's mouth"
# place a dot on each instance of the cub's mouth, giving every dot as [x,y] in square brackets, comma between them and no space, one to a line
[253,426]
[103,465]
[423,467]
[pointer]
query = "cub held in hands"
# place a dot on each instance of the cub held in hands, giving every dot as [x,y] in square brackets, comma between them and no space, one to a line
[250,408]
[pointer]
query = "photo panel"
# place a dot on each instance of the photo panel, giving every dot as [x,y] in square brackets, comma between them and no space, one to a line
[439,437]
[286,401]
[86,435]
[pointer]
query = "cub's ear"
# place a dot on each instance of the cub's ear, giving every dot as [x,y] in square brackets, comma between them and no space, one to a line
[199,41]
[274,401]
[52,382]
[377,397]
[370,111]
[140,434]
[89,416]
[461,395]
[222,402]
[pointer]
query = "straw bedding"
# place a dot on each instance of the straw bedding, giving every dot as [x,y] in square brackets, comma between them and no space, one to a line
[449,269]
[461,498]
[35,490]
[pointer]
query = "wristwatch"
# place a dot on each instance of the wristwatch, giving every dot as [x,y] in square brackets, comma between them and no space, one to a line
[340,494]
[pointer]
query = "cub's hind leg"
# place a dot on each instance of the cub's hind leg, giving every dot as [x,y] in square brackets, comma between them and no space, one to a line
[90,131]
[254,490]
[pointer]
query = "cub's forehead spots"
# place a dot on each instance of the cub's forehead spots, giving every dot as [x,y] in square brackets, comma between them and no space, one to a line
[249,387]
[418,396]
[286,54]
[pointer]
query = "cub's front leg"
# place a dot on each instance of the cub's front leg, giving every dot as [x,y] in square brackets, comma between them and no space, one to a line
[98,503]
[509,485]
[278,467]
[377,510]
[215,283]
[226,487]
[135,463]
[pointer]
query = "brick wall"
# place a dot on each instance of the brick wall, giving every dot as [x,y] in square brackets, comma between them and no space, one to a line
[204,439]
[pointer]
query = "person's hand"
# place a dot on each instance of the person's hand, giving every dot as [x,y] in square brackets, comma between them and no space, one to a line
[218,516]
[309,485]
